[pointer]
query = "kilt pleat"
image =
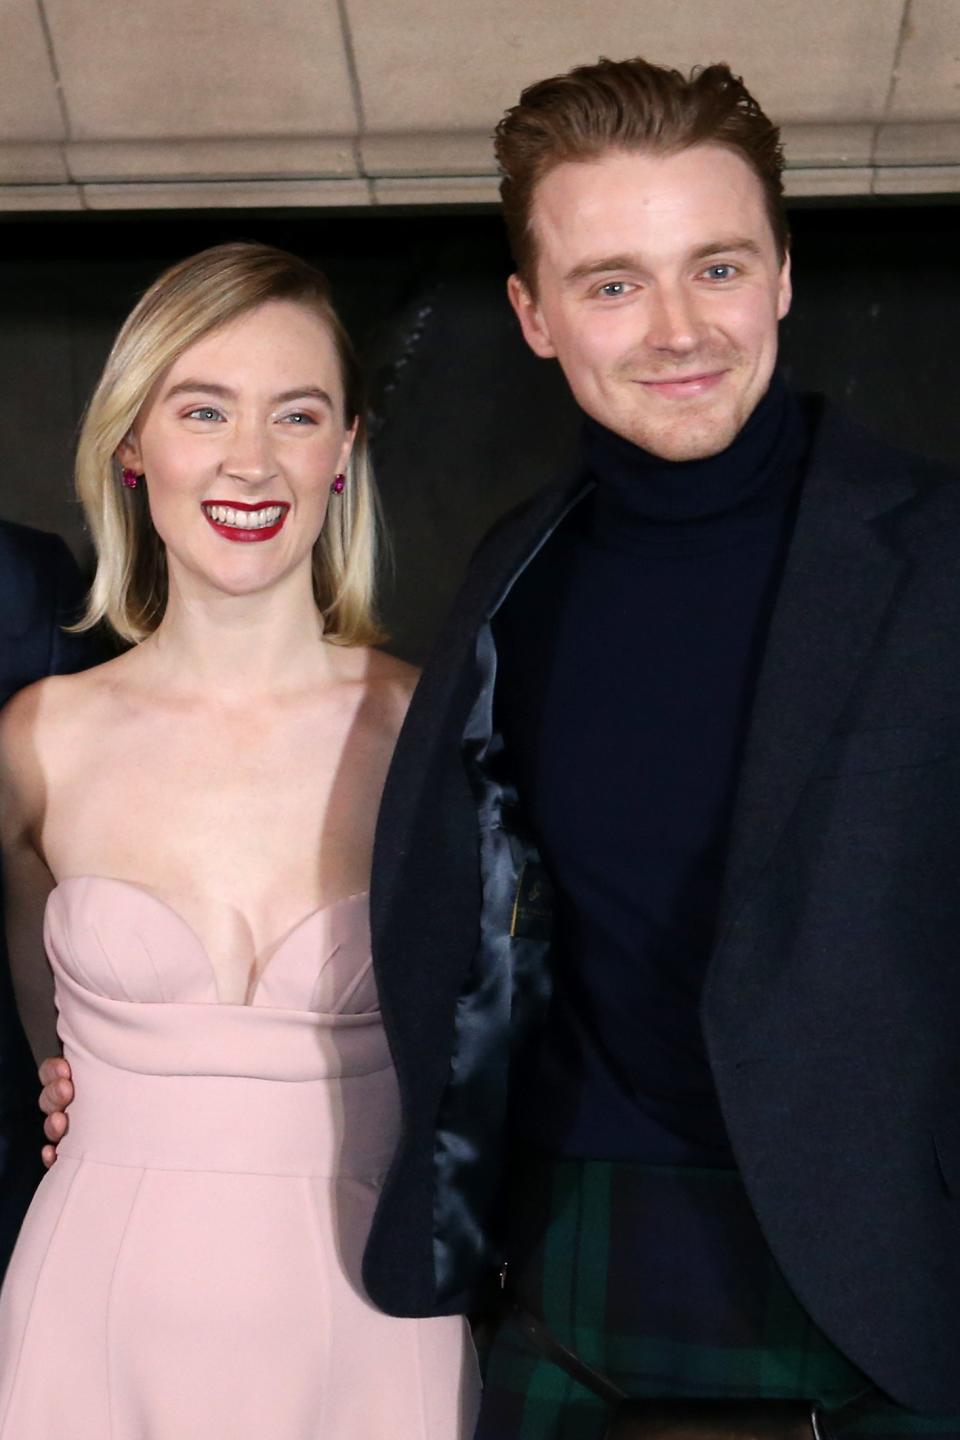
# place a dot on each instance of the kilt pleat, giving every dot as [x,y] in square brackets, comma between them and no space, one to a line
[660,1278]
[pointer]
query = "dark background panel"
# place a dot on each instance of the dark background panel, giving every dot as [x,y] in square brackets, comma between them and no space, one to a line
[466,422]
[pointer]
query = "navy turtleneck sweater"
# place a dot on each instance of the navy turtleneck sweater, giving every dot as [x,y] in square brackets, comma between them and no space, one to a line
[628,656]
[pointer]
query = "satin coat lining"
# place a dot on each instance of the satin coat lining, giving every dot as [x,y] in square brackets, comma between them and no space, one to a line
[502,1002]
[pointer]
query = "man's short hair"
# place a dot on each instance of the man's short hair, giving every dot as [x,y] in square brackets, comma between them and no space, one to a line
[629,105]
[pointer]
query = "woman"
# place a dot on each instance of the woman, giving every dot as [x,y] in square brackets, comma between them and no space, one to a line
[196,819]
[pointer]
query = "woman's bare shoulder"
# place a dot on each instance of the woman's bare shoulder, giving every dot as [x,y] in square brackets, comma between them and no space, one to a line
[394,677]
[390,670]
[46,714]
[23,723]
[389,684]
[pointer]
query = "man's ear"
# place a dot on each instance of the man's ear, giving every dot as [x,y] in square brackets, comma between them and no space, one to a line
[535,329]
[128,453]
[784,289]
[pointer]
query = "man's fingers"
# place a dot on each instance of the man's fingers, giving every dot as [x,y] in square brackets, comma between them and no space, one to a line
[55,1096]
[55,1126]
[57,1086]
[55,1068]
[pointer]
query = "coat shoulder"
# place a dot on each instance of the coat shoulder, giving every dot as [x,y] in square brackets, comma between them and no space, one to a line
[878,467]
[30,549]
[41,591]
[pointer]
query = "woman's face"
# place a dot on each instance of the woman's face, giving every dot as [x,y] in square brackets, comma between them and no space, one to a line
[240,441]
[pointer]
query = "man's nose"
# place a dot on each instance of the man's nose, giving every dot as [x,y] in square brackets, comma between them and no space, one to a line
[249,455]
[673,321]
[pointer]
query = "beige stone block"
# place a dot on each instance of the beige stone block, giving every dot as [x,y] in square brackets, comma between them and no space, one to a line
[216,68]
[40,197]
[917,180]
[291,158]
[450,64]
[919,143]
[29,109]
[825,180]
[829,145]
[229,194]
[441,152]
[24,163]
[437,190]
[928,70]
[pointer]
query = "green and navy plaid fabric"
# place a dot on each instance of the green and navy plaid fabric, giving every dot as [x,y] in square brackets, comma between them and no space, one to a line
[661,1279]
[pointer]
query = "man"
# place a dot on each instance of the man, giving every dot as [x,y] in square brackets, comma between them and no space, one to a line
[699,1110]
[710,690]
[40,592]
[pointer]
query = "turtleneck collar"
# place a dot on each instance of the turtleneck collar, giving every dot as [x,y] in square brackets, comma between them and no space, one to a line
[643,497]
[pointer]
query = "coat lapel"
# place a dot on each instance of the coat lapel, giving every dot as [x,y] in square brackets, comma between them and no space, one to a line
[839,580]
[447,679]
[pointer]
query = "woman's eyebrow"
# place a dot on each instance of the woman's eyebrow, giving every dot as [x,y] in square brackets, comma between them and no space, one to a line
[209,387]
[304,392]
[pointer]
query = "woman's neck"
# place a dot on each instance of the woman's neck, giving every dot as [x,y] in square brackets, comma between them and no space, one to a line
[233,648]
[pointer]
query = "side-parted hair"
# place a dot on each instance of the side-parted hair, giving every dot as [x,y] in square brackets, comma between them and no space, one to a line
[189,301]
[629,105]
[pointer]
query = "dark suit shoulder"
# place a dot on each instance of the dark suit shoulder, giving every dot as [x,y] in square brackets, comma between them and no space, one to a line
[871,463]
[26,552]
[41,590]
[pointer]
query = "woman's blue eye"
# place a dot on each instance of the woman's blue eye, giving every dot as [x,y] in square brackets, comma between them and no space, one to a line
[300,418]
[204,412]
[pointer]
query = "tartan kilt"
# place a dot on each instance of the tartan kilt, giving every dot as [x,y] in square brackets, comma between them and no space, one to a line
[660,1278]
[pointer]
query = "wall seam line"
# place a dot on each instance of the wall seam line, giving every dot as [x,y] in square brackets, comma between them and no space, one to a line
[891,89]
[356,92]
[58,87]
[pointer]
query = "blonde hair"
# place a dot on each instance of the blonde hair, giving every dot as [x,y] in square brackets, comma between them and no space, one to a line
[189,301]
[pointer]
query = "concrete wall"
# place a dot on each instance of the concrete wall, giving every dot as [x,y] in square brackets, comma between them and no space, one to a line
[106,104]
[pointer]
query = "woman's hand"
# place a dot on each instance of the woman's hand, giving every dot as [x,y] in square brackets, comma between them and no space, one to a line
[55,1096]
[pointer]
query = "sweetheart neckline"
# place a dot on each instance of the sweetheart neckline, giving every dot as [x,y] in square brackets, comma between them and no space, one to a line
[189,929]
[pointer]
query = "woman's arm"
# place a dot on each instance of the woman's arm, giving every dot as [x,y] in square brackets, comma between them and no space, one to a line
[26,880]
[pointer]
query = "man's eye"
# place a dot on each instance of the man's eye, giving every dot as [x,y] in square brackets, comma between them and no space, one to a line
[612,289]
[204,412]
[722,271]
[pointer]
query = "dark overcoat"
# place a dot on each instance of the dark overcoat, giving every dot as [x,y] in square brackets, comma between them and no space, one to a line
[831,1008]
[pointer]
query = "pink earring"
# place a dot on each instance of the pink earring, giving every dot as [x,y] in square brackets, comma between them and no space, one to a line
[129,478]
[339,483]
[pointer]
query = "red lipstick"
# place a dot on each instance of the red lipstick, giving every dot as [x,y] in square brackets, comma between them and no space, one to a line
[244,534]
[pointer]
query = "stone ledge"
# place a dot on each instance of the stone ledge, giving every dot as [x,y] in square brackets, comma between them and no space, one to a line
[415,168]
[260,158]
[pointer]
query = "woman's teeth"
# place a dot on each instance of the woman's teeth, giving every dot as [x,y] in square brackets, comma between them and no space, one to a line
[244,519]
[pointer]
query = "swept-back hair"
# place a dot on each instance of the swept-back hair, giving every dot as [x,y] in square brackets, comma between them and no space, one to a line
[629,105]
[188,302]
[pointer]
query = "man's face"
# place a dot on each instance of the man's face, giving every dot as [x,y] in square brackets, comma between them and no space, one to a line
[659,290]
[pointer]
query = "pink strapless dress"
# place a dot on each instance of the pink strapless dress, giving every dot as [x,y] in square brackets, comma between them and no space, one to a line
[190,1267]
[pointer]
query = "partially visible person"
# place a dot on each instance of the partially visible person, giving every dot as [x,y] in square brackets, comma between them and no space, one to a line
[41,592]
[191,827]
